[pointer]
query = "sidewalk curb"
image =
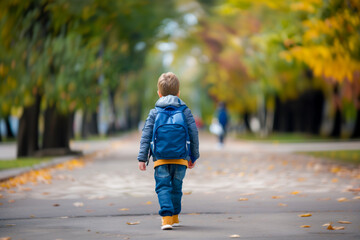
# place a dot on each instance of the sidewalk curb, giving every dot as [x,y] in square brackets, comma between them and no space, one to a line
[14,172]
[11,173]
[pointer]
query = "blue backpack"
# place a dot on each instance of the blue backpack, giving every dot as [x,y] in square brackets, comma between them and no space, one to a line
[170,138]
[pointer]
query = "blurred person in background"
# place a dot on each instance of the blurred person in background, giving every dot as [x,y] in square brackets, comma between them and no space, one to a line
[223,121]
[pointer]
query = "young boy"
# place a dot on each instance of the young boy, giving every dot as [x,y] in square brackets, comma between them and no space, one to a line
[169,132]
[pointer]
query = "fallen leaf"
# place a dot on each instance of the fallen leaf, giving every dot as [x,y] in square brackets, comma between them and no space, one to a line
[271,167]
[354,190]
[334,180]
[243,199]
[32,216]
[148,203]
[45,193]
[187,193]
[305,215]
[133,223]
[277,197]
[56,205]
[326,224]
[339,228]
[234,236]
[1,203]
[1,196]
[305,226]
[193,214]
[356,198]
[344,222]
[330,227]
[5,238]
[282,204]
[295,192]
[301,179]
[78,204]
[123,209]
[343,199]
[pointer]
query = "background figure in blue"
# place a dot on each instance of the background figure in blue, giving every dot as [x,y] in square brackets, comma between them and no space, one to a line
[223,120]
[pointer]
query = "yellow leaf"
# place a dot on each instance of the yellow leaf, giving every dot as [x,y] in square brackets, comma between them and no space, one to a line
[305,215]
[133,223]
[243,199]
[339,228]
[343,199]
[277,197]
[326,224]
[188,193]
[123,209]
[295,192]
[344,222]
[330,227]
[305,226]
[148,203]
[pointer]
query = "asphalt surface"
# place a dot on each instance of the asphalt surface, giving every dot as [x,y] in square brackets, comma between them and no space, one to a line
[245,190]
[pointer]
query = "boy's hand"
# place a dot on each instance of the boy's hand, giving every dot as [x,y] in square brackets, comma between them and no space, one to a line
[142,166]
[191,164]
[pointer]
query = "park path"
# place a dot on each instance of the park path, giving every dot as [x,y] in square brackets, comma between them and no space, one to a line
[252,190]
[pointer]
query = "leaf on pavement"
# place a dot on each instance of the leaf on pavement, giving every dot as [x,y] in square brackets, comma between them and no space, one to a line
[356,198]
[295,192]
[148,203]
[339,228]
[243,199]
[334,180]
[277,197]
[234,236]
[344,222]
[326,224]
[343,199]
[123,209]
[1,196]
[56,205]
[282,204]
[305,215]
[133,223]
[305,226]
[193,214]
[5,238]
[330,227]
[187,193]
[78,204]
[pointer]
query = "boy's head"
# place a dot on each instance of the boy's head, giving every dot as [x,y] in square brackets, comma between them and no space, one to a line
[168,84]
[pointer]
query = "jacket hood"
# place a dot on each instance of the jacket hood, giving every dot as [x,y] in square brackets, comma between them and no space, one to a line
[169,100]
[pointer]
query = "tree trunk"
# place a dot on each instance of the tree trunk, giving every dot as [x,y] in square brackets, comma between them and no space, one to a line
[28,134]
[9,132]
[356,131]
[56,130]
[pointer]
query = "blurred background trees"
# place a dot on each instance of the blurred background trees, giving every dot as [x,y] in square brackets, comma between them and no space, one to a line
[80,68]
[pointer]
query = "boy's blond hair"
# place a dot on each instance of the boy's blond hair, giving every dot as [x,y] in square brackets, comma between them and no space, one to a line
[168,84]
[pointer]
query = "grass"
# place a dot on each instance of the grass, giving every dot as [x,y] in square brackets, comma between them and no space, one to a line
[348,156]
[21,162]
[284,138]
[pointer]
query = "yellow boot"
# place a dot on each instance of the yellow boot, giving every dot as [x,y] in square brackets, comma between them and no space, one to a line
[167,222]
[175,220]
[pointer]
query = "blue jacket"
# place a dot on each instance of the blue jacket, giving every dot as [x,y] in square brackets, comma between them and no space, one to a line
[147,131]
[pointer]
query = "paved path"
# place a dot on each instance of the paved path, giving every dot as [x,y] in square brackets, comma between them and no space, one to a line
[243,189]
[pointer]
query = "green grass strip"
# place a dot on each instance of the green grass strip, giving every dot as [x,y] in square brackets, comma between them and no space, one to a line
[348,156]
[21,162]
